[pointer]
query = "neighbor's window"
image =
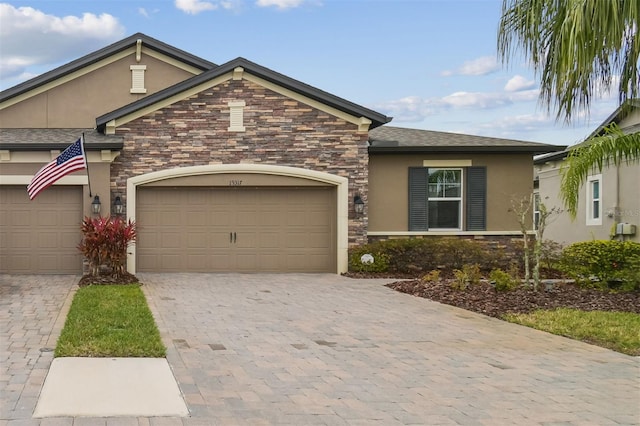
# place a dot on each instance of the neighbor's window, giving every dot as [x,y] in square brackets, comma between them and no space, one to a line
[594,200]
[536,209]
[445,198]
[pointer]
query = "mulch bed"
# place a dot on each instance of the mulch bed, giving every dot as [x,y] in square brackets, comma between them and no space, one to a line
[108,279]
[484,299]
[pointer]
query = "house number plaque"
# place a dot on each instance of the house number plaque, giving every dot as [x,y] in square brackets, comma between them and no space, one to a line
[235,183]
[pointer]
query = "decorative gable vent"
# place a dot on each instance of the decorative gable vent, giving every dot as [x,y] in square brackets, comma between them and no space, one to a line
[137,79]
[236,119]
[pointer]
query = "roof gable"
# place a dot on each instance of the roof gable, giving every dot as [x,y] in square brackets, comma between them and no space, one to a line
[237,69]
[113,50]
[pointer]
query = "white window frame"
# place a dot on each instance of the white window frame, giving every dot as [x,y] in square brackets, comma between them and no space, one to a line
[591,218]
[460,198]
[536,209]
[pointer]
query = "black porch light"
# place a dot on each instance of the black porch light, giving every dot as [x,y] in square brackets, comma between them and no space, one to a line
[96,205]
[358,204]
[118,207]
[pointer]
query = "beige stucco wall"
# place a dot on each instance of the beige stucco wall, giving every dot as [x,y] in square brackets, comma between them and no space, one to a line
[508,178]
[75,103]
[620,191]
[21,169]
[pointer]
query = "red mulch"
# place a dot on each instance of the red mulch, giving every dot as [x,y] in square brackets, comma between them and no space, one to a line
[108,279]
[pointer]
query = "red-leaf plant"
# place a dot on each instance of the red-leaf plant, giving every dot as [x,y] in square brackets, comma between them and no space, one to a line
[105,241]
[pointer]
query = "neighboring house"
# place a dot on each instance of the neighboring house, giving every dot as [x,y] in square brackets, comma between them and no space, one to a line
[608,197]
[234,167]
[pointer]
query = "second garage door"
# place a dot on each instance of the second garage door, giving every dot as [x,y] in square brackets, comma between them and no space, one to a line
[40,236]
[205,229]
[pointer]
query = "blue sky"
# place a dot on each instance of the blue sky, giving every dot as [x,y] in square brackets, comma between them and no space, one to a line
[430,64]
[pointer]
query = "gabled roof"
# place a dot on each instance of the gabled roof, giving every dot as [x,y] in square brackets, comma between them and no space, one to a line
[103,53]
[47,139]
[616,117]
[388,139]
[258,71]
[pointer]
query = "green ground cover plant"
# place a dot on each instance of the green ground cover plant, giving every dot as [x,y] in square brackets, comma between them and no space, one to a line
[110,321]
[619,331]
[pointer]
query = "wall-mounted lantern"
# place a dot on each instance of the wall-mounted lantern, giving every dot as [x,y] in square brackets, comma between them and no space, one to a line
[118,207]
[96,205]
[358,204]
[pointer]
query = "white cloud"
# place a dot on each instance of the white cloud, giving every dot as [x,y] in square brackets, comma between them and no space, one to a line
[193,7]
[476,100]
[415,108]
[480,66]
[411,108]
[31,37]
[518,83]
[280,4]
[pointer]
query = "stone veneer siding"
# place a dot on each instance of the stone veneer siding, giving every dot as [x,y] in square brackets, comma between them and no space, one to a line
[279,131]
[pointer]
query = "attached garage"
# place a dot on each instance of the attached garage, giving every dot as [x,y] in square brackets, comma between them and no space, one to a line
[40,236]
[236,229]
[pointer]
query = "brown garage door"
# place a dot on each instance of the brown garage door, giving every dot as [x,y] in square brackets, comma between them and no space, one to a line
[236,229]
[40,236]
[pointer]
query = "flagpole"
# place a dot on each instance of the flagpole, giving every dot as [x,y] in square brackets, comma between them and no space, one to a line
[86,165]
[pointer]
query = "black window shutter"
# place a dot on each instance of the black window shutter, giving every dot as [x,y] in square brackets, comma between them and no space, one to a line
[476,198]
[418,179]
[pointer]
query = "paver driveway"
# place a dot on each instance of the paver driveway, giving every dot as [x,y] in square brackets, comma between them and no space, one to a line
[324,349]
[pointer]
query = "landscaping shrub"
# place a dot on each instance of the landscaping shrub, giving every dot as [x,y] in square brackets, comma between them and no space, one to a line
[503,280]
[105,241]
[417,256]
[603,263]
[380,259]
[468,275]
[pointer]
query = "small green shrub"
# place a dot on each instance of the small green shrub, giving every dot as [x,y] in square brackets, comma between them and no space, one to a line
[503,280]
[601,263]
[469,275]
[380,259]
[431,277]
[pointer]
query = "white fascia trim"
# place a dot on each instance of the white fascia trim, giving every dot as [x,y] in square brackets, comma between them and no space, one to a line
[341,184]
[62,80]
[114,124]
[26,179]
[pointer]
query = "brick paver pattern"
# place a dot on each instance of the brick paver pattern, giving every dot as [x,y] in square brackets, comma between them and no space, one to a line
[327,350]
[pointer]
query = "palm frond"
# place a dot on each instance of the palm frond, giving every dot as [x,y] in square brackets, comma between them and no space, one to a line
[612,148]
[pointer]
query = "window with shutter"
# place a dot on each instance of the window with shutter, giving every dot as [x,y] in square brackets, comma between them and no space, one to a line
[476,198]
[437,201]
[418,179]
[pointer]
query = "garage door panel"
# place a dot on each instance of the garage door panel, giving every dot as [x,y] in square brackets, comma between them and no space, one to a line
[237,229]
[40,236]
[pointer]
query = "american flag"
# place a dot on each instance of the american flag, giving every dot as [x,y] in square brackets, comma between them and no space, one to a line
[70,160]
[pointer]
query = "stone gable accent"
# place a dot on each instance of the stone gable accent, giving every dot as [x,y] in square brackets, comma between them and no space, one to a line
[279,131]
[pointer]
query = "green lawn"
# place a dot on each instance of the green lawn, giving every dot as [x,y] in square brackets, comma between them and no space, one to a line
[619,331]
[110,321]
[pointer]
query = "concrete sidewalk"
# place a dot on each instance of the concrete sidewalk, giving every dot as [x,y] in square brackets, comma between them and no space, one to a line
[324,349]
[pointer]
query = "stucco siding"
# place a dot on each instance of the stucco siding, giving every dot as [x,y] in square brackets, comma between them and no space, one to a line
[77,102]
[508,178]
[620,189]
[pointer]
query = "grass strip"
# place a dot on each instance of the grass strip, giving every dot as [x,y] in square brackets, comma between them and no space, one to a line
[618,331]
[110,321]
